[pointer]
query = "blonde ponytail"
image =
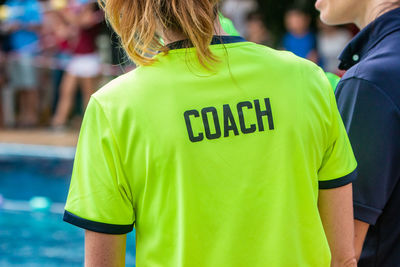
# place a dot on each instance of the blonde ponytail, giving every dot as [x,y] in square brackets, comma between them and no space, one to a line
[137,21]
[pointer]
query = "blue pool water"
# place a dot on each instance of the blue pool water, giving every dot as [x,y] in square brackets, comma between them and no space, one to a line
[39,238]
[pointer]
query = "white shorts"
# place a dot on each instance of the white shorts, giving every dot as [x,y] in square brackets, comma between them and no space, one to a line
[85,66]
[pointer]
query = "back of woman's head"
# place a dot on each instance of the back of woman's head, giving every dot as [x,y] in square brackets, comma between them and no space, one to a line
[139,22]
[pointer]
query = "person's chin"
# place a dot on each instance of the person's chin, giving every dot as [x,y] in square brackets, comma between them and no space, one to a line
[329,20]
[324,14]
[319,4]
[325,20]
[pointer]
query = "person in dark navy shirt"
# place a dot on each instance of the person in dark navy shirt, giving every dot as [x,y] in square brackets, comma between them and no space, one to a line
[368,98]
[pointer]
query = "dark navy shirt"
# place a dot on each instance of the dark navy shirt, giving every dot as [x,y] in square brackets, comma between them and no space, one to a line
[369,100]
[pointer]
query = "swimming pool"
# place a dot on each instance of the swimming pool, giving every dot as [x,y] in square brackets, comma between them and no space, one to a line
[32,232]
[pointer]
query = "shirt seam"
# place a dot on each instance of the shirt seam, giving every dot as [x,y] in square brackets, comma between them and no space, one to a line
[377,88]
[118,148]
[326,94]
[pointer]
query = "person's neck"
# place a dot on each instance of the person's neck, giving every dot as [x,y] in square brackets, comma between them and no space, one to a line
[372,11]
[170,37]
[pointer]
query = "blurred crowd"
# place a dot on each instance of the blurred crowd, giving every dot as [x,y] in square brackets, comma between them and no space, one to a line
[53,56]
[305,35]
[55,53]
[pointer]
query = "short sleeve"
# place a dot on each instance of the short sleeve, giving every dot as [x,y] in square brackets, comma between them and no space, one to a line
[99,197]
[373,124]
[338,164]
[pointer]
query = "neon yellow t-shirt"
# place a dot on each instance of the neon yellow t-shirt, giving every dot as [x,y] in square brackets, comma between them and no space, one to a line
[333,79]
[219,169]
[228,26]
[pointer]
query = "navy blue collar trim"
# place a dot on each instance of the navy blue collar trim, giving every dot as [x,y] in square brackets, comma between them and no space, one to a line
[369,37]
[217,39]
[98,227]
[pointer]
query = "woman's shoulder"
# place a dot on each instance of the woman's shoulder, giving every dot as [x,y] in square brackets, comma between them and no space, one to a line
[379,69]
[282,57]
[116,85]
[304,75]
[121,91]
[125,85]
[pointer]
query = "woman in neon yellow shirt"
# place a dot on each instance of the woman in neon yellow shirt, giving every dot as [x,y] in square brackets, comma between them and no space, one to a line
[220,152]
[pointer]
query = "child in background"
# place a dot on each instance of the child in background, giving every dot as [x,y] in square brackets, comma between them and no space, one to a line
[331,41]
[236,10]
[299,38]
[58,33]
[84,66]
[256,30]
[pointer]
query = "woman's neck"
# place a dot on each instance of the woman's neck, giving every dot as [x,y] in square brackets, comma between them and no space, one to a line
[373,9]
[171,36]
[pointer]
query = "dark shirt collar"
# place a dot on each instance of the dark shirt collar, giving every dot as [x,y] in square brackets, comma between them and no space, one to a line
[217,39]
[369,37]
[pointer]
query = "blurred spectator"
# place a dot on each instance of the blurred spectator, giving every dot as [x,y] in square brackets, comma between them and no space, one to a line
[331,42]
[2,77]
[22,23]
[55,39]
[256,30]
[48,62]
[237,10]
[84,20]
[3,50]
[299,38]
[59,36]
[1,110]
[228,26]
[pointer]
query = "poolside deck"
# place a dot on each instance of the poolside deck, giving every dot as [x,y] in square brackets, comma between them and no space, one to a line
[40,137]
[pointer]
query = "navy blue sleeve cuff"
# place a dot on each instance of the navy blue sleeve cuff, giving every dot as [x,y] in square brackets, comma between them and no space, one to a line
[345,180]
[366,214]
[98,227]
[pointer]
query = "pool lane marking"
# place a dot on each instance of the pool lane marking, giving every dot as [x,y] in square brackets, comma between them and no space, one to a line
[9,149]
[22,205]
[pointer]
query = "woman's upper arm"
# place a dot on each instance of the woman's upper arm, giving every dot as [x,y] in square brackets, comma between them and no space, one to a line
[104,250]
[336,211]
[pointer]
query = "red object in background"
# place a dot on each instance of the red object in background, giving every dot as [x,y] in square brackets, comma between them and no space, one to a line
[87,40]
[353,29]
[340,73]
